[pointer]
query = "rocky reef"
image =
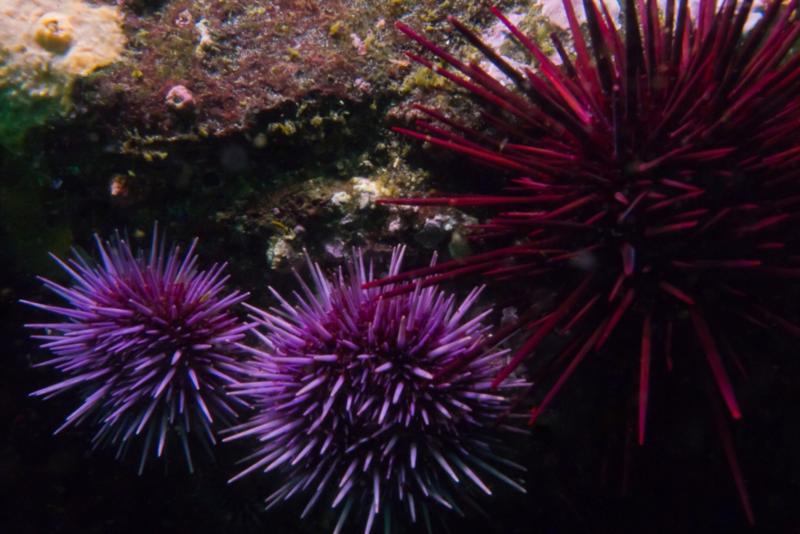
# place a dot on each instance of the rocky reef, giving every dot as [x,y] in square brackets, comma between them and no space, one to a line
[222,111]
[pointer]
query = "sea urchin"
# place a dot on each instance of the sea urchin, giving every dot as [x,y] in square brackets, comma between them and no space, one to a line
[149,343]
[649,179]
[346,408]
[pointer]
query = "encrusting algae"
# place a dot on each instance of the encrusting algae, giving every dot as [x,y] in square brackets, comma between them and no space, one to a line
[48,43]
[44,46]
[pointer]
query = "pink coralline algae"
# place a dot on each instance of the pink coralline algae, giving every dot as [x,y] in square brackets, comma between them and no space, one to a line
[243,58]
[347,411]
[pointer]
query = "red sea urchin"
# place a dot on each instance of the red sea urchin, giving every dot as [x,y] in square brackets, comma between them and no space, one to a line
[346,408]
[650,179]
[149,343]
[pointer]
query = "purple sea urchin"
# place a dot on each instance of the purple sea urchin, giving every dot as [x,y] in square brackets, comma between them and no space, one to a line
[346,405]
[149,343]
[653,185]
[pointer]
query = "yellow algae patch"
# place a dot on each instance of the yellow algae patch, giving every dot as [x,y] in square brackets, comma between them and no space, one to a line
[46,44]
[54,32]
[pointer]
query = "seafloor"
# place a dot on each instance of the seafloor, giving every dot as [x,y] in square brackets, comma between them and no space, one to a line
[284,146]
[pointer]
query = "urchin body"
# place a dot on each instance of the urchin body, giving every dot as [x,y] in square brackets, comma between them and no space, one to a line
[648,181]
[148,341]
[655,167]
[347,406]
